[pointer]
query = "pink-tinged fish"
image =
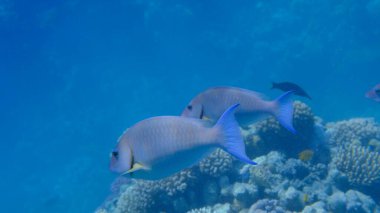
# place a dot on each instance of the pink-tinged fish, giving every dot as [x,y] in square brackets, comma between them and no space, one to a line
[374,93]
[210,105]
[161,146]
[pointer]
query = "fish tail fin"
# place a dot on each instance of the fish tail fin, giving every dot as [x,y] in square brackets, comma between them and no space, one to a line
[230,138]
[284,111]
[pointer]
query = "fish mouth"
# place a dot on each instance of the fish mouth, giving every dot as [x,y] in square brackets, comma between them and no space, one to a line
[113,165]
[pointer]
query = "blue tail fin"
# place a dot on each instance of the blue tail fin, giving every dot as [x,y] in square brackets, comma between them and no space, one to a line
[230,137]
[284,111]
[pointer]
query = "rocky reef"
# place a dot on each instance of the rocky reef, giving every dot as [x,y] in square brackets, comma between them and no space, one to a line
[333,167]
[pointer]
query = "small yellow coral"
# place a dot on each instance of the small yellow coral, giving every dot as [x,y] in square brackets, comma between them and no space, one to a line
[253,140]
[306,155]
[256,139]
[305,198]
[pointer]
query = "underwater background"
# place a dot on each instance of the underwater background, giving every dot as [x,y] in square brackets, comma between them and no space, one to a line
[75,74]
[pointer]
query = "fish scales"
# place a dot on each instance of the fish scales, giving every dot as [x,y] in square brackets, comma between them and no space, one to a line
[168,136]
[160,146]
[211,103]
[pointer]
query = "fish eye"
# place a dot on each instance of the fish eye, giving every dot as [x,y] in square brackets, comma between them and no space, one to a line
[115,154]
[189,107]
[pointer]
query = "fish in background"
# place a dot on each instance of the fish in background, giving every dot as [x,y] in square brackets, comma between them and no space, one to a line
[158,147]
[374,93]
[210,104]
[288,86]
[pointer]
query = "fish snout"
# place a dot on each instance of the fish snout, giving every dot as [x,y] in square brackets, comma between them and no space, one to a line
[113,161]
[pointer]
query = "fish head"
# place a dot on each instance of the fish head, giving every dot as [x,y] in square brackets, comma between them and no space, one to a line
[121,158]
[193,110]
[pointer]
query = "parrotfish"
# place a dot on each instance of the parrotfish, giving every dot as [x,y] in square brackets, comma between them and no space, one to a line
[158,147]
[288,86]
[374,93]
[210,104]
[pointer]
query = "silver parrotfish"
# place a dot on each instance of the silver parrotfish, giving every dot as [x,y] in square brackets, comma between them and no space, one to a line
[158,147]
[210,104]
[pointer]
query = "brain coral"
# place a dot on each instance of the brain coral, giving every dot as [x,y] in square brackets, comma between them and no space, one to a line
[357,130]
[359,163]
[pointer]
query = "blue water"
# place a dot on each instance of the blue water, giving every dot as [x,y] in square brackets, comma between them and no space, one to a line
[75,74]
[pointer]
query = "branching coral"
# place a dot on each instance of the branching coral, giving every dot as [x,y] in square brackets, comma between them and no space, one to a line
[360,164]
[217,164]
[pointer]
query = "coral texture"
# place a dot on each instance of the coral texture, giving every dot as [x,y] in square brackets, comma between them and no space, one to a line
[266,206]
[360,164]
[357,130]
[216,164]
[270,135]
[286,179]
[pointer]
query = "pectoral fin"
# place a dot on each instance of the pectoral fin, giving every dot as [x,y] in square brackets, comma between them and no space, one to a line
[135,167]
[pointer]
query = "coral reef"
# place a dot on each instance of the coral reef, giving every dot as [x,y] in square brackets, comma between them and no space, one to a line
[217,164]
[351,201]
[136,198]
[175,184]
[277,184]
[266,206]
[354,131]
[141,196]
[292,175]
[207,209]
[269,135]
[131,198]
[218,208]
[359,163]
